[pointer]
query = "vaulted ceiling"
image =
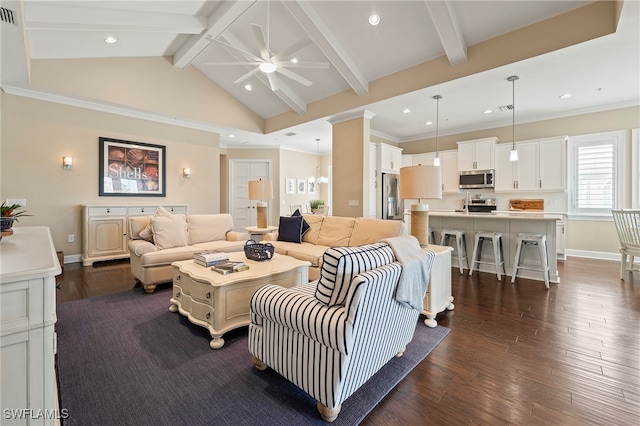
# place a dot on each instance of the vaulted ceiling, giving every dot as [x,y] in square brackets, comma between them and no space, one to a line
[324,48]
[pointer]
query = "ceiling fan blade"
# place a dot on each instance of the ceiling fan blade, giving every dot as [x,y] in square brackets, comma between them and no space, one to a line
[318,65]
[233,63]
[292,75]
[295,47]
[245,53]
[273,81]
[260,39]
[247,75]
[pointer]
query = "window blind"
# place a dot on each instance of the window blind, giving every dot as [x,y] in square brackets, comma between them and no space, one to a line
[596,174]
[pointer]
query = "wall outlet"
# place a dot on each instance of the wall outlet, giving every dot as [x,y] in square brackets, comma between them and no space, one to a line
[71,238]
[21,201]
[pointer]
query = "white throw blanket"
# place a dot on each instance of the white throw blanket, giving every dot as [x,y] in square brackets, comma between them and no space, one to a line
[416,269]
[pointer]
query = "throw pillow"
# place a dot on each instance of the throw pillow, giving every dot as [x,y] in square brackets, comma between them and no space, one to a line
[305,225]
[290,229]
[169,232]
[147,232]
[340,265]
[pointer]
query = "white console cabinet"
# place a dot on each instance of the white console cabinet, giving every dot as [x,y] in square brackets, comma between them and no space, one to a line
[438,297]
[105,229]
[27,318]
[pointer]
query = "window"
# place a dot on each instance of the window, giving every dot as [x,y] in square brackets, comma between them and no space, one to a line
[596,172]
[635,168]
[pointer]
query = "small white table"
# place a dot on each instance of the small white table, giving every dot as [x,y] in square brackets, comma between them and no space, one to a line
[254,230]
[220,303]
[438,296]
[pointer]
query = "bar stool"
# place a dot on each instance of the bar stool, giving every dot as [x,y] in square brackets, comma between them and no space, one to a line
[498,253]
[432,236]
[460,248]
[540,240]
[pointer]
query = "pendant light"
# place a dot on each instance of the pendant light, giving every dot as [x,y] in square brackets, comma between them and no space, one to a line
[436,160]
[513,154]
[319,179]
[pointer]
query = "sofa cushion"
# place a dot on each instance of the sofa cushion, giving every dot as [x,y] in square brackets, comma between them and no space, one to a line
[209,227]
[369,231]
[305,225]
[341,264]
[137,224]
[310,252]
[290,229]
[315,222]
[335,231]
[147,232]
[169,232]
[168,256]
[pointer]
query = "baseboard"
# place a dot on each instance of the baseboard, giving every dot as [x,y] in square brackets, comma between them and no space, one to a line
[602,255]
[72,258]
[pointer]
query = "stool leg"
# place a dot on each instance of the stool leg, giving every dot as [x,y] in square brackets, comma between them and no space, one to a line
[496,257]
[443,240]
[464,250]
[516,262]
[542,249]
[504,271]
[474,257]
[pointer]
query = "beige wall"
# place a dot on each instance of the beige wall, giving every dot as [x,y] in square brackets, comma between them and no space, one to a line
[37,134]
[350,154]
[299,165]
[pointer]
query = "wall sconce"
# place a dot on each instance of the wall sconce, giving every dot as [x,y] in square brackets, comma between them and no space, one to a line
[67,163]
[186,172]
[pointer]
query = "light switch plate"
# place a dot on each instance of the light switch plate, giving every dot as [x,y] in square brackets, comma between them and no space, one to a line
[354,203]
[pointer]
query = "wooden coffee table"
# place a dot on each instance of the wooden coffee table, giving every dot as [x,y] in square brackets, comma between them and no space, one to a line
[220,303]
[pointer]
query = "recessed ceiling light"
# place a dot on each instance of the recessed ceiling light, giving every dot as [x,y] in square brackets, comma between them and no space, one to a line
[429,123]
[294,60]
[406,111]
[110,40]
[487,111]
[374,19]
[232,135]
[248,87]
[566,95]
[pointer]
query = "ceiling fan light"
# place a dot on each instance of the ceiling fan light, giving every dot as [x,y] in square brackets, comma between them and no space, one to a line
[267,67]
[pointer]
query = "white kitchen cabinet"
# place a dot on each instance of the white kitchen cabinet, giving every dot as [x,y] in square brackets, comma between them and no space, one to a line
[449,166]
[390,158]
[28,268]
[105,229]
[476,154]
[560,239]
[424,159]
[540,166]
[407,160]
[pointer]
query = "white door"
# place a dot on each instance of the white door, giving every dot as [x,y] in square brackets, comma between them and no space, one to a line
[242,209]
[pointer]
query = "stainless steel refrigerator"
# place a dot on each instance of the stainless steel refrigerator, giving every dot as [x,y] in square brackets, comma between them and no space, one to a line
[392,207]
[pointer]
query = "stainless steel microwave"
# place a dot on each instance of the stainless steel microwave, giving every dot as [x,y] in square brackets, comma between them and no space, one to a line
[477,179]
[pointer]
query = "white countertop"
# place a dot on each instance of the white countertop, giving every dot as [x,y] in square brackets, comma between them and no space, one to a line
[516,215]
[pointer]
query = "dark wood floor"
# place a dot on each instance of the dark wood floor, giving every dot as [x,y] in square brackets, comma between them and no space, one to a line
[517,354]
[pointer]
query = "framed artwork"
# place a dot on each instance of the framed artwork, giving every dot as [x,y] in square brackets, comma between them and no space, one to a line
[132,169]
[311,186]
[290,185]
[302,186]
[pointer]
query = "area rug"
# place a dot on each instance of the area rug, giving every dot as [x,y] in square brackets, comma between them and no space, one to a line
[124,359]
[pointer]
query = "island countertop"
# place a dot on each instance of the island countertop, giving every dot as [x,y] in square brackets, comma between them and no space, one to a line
[517,215]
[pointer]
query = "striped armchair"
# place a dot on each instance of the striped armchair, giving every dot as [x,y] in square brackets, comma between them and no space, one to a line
[330,336]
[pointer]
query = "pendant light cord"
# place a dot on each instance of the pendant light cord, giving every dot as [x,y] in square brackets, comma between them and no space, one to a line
[437,98]
[513,79]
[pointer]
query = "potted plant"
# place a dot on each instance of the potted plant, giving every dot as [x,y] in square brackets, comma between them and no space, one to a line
[10,213]
[315,205]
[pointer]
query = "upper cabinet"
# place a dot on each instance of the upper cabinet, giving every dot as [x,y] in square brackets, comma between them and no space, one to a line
[448,166]
[540,167]
[476,154]
[390,158]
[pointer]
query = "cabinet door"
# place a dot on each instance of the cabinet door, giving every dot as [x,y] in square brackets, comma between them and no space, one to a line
[484,154]
[552,165]
[449,165]
[106,236]
[420,159]
[466,157]
[504,177]
[527,167]
[407,160]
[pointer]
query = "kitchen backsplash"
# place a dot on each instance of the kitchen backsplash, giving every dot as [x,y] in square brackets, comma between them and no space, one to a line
[553,201]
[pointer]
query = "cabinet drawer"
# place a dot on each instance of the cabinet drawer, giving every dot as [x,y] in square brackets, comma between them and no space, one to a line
[141,211]
[202,291]
[202,312]
[183,281]
[176,209]
[182,298]
[107,211]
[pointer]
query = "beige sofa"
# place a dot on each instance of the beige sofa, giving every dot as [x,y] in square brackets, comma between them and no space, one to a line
[332,231]
[157,241]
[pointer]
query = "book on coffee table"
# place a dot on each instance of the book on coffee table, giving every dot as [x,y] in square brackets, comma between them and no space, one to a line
[229,267]
[210,258]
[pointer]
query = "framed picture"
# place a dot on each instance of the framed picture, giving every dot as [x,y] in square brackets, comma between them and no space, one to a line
[302,186]
[290,185]
[311,186]
[132,169]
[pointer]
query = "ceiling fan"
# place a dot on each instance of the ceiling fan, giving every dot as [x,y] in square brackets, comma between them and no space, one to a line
[272,64]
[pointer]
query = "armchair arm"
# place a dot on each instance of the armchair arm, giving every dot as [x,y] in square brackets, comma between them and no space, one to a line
[237,236]
[271,236]
[302,313]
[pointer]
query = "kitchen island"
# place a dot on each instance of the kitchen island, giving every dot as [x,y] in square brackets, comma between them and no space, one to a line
[510,224]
